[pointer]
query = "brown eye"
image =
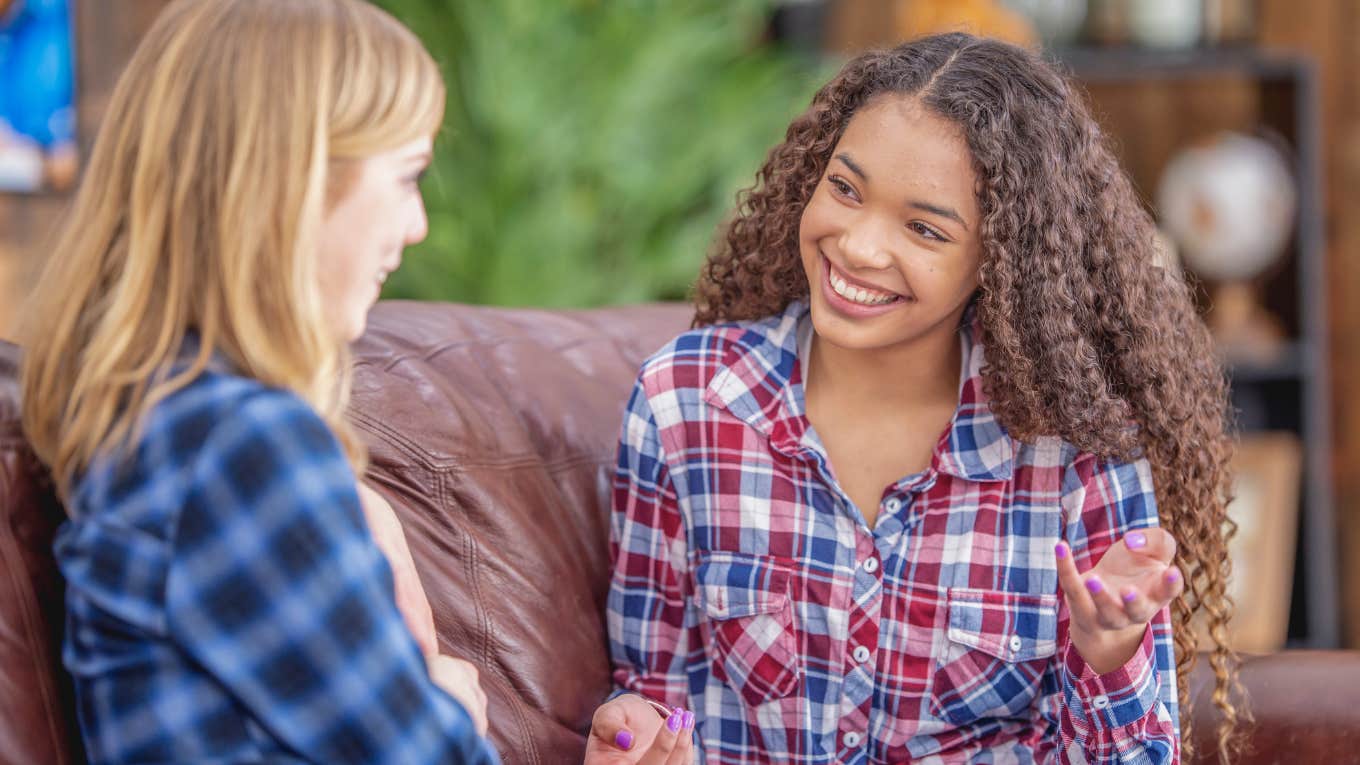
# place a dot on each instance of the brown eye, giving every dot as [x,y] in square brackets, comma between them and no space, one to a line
[841,186]
[926,231]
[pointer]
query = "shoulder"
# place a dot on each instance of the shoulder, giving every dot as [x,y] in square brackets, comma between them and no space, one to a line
[1102,485]
[692,359]
[182,431]
[253,433]
[220,413]
[266,465]
[227,435]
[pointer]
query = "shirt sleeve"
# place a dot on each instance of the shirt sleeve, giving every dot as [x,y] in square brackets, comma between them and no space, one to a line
[1129,715]
[277,590]
[645,610]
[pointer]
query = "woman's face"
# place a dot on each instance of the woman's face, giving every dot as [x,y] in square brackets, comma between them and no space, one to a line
[364,232]
[889,240]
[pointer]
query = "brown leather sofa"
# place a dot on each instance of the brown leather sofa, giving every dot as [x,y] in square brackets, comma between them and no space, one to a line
[492,432]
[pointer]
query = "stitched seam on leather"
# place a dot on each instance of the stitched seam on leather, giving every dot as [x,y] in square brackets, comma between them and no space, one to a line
[9,551]
[484,622]
[411,450]
[430,352]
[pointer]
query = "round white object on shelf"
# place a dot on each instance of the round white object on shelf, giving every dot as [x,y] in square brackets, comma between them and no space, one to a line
[1229,205]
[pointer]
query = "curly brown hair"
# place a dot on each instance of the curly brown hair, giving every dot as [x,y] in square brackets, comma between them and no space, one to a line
[1083,332]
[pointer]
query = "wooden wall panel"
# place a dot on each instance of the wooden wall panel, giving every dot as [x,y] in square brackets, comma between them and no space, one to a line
[1330,31]
[107,31]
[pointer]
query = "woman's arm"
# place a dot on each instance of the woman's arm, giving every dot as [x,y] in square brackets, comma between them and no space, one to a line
[410,593]
[1114,679]
[647,602]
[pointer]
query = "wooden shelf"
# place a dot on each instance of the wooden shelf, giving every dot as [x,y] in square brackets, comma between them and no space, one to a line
[1294,363]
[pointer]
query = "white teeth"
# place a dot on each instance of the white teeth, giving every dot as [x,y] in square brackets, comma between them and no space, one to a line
[859,295]
[382,277]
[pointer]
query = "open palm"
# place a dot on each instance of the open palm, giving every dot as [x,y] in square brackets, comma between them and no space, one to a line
[1134,580]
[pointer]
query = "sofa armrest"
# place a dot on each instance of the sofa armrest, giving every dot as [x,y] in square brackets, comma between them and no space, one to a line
[1306,705]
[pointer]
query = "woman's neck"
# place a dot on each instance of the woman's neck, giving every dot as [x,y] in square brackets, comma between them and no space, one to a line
[924,372]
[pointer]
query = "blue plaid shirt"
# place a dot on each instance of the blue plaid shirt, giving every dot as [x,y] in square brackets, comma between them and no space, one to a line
[226,603]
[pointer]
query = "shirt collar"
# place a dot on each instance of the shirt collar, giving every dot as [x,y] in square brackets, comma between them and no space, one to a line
[760,382]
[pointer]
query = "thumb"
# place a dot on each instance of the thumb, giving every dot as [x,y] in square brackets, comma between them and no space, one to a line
[1154,542]
[610,725]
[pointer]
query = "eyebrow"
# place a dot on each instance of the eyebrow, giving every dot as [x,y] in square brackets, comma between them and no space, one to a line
[854,168]
[944,212]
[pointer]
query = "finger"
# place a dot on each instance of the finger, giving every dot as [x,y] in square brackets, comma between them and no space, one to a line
[666,740]
[683,754]
[1138,607]
[610,725]
[1156,543]
[1168,587]
[1079,603]
[1109,609]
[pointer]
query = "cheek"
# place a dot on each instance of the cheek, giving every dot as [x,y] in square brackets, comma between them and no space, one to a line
[817,218]
[948,281]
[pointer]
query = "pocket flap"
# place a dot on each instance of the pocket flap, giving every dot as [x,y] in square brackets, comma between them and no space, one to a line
[732,585]
[1010,626]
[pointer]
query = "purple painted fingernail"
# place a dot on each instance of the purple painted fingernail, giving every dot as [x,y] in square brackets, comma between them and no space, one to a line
[674,721]
[624,739]
[1135,540]
[1173,575]
[1060,550]
[1094,586]
[1129,597]
[689,721]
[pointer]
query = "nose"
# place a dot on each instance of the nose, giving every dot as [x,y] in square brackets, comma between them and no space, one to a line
[419,224]
[867,244]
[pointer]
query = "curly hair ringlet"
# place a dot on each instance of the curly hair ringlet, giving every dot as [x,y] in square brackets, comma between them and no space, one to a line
[1084,332]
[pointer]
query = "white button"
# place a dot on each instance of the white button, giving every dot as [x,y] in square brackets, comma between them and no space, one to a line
[861,654]
[871,565]
[1100,702]
[1015,643]
[851,739]
[894,504]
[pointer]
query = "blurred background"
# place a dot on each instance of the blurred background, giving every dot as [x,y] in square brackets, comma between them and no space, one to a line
[593,147]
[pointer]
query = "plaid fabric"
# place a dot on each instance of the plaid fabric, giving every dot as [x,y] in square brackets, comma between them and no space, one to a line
[748,587]
[225,602]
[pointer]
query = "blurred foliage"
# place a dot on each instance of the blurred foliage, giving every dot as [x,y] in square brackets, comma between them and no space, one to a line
[592,147]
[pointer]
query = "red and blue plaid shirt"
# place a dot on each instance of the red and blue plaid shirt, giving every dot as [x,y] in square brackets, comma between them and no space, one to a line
[748,587]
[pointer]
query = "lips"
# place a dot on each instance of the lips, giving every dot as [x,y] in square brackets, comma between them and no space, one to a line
[854,301]
[855,290]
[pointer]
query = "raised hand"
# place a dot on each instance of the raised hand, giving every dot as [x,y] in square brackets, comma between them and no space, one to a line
[1111,604]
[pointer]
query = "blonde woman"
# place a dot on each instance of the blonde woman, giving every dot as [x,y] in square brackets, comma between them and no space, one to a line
[254,183]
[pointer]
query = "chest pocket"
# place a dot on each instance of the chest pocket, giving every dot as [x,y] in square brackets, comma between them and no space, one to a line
[745,600]
[999,646]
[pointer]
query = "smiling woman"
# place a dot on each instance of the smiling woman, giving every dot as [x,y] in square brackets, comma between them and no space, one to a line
[379,213]
[940,472]
[883,237]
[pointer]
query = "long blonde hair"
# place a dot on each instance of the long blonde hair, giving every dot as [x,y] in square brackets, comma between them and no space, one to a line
[225,140]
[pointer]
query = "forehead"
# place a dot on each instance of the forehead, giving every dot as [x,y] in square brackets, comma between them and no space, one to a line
[904,147]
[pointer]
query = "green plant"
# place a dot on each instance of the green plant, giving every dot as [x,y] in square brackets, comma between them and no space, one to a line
[591,147]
